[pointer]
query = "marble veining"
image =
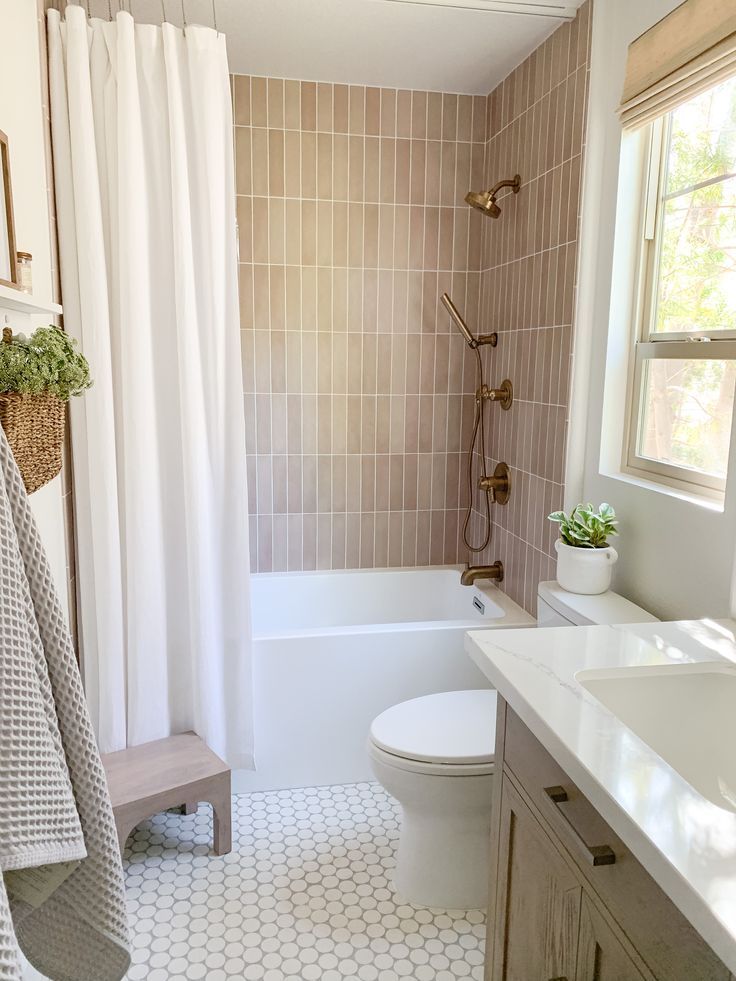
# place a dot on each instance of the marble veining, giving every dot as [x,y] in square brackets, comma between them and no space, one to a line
[685,841]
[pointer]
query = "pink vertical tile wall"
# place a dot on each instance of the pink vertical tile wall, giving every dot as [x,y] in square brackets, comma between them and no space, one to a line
[536,127]
[358,391]
[352,223]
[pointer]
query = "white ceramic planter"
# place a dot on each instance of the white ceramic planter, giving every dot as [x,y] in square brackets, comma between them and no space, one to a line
[584,570]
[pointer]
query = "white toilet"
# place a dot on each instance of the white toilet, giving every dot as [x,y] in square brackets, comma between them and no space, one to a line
[435,755]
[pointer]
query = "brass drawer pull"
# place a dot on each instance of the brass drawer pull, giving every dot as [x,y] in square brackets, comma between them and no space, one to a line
[595,854]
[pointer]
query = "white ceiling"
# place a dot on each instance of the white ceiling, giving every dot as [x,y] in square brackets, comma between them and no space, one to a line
[372,42]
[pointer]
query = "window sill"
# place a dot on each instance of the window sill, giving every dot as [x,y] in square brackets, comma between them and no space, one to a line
[715,504]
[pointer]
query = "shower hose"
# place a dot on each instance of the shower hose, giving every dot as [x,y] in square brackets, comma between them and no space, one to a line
[478,427]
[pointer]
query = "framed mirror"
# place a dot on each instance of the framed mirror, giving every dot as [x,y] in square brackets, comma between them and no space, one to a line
[8,263]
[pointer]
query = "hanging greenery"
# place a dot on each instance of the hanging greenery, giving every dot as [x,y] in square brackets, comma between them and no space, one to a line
[47,361]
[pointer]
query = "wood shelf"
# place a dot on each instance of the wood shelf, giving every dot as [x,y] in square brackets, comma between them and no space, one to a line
[12,299]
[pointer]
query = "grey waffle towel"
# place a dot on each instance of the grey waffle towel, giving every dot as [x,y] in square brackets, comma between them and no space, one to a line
[54,804]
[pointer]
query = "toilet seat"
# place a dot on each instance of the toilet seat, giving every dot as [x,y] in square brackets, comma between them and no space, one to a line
[420,768]
[453,733]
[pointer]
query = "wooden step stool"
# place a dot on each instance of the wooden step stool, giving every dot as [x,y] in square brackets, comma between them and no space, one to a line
[180,770]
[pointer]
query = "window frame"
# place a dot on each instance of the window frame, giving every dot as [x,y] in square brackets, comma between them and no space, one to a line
[648,344]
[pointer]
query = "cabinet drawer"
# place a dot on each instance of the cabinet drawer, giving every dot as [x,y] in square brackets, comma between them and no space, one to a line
[666,941]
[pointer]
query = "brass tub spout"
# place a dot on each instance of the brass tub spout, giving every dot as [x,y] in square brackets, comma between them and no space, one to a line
[472,572]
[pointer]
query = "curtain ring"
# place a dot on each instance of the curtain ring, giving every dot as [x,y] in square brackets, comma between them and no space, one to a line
[183,18]
[109,9]
[214,16]
[163,12]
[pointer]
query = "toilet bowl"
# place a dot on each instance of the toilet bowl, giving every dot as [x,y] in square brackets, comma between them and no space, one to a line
[435,756]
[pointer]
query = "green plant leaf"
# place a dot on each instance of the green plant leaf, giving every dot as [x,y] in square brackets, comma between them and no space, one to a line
[48,361]
[586,526]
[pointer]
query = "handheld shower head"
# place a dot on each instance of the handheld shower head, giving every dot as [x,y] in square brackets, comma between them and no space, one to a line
[459,322]
[472,342]
[485,201]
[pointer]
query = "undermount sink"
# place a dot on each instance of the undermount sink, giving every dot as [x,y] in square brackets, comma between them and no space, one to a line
[685,712]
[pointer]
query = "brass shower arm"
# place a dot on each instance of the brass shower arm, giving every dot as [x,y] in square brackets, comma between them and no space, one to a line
[515,182]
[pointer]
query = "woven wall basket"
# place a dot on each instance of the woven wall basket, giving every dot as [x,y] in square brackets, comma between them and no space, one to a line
[34,425]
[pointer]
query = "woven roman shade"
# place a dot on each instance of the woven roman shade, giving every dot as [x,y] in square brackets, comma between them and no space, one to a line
[688,51]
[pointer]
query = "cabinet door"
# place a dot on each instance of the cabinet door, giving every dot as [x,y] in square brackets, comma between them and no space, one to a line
[601,955]
[538,899]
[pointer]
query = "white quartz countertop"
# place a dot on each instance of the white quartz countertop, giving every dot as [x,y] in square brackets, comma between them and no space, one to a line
[686,842]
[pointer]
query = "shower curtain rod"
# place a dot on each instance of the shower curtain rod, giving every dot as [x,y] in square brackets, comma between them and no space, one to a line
[538,8]
[127,5]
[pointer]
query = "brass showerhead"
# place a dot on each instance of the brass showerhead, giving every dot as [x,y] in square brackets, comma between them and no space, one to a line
[485,201]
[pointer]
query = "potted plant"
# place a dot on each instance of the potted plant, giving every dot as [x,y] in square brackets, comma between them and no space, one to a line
[585,560]
[38,376]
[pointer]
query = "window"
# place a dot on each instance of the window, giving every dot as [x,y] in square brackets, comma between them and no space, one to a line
[684,366]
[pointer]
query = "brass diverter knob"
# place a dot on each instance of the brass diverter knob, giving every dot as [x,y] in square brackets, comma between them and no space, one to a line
[504,394]
[499,485]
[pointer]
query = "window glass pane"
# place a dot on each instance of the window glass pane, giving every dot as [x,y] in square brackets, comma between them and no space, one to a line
[686,412]
[696,278]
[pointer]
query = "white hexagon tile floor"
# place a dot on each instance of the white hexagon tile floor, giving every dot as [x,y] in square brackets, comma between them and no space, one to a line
[305,893]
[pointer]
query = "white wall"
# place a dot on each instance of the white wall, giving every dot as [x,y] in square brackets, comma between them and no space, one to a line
[21,119]
[676,556]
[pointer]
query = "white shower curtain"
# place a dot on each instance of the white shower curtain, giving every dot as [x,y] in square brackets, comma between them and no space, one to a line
[142,140]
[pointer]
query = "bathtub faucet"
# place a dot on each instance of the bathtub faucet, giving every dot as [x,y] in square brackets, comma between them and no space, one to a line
[472,572]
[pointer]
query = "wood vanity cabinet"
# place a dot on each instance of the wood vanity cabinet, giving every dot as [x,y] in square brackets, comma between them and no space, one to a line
[568,900]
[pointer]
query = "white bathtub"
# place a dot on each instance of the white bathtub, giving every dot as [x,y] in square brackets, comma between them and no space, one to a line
[333,649]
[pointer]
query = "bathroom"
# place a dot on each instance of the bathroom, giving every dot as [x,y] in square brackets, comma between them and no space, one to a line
[349,297]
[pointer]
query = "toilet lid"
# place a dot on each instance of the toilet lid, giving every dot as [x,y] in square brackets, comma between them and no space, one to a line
[451,727]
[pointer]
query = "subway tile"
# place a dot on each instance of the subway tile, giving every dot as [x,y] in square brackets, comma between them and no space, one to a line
[324,541]
[243,178]
[324,165]
[292,104]
[403,113]
[275,95]
[294,534]
[289,165]
[356,168]
[357,109]
[340,109]
[340,172]
[258,102]
[309,165]
[434,116]
[245,288]
[241,94]
[325,117]
[372,111]
[388,112]
[372,168]
[259,161]
[308,106]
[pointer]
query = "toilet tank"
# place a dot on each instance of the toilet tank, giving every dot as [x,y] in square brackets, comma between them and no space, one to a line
[556,607]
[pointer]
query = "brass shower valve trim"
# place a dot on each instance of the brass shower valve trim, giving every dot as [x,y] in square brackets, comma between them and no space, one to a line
[504,394]
[499,485]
